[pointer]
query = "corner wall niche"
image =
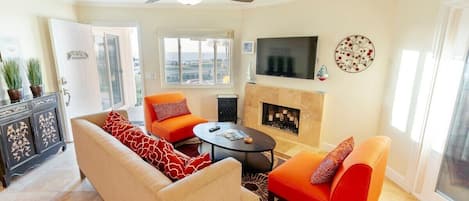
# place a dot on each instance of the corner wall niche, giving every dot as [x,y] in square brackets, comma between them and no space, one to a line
[309,104]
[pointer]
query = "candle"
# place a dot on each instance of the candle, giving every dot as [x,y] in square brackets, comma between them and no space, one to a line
[271,117]
[285,111]
[277,115]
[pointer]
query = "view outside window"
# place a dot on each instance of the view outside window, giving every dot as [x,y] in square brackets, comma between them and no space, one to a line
[223,61]
[208,59]
[190,59]
[171,60]
[197,62]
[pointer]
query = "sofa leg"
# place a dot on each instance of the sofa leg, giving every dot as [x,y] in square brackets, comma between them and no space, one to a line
[82,175]
[271,196]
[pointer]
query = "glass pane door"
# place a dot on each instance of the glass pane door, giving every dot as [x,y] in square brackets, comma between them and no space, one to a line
[453,180]
[112,42]
[104,84]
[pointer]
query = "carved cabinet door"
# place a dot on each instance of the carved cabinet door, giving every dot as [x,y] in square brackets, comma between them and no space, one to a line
[47,130]
[18,141]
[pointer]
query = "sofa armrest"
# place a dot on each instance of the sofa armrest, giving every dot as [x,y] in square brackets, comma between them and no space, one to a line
[217,182]
[100,118]
[247,195]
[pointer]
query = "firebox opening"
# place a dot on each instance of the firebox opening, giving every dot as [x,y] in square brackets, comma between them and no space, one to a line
[284,118]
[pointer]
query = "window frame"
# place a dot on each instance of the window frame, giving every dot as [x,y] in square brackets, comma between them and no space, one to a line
[162,57]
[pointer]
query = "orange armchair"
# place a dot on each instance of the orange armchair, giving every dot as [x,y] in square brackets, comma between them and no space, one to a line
[173,129]
[359,178]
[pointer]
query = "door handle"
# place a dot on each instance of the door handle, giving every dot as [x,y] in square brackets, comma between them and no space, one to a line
[68,95]
[63,81]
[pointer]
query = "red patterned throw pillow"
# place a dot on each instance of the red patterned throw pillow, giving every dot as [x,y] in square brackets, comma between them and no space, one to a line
[157,151]
[144,148]
[167,110]
[329,165]
[177,169]
[115,124]
[161,155]
[119,127]
[132,138]
[113,117]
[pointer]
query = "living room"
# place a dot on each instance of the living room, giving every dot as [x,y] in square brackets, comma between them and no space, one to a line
[360,104]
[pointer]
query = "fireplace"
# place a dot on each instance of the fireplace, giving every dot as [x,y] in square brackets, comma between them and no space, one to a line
[284,118]
[309,103]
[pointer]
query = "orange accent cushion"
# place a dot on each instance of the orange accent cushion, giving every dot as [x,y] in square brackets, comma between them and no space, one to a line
[329,165]
[177,128]
[291,180]
[168,110]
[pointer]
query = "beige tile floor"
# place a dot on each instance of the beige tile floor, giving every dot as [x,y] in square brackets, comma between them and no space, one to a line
[58,179]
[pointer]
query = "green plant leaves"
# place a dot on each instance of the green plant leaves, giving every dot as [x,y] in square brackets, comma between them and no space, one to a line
[11,74]
[34,72]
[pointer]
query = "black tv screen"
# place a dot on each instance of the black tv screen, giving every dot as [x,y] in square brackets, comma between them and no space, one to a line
[287,57]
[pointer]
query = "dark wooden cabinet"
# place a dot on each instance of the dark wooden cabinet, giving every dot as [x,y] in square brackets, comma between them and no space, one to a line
[30,132]
[227,108]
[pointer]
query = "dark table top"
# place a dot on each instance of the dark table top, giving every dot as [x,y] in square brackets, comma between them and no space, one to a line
[261,141]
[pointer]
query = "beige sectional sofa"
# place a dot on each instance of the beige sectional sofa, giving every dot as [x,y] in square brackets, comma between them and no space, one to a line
[118,174]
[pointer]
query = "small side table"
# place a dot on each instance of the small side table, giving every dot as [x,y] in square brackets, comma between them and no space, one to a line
[227,108]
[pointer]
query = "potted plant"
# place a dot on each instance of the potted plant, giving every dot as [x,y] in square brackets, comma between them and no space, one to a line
[11,74]
[35,77]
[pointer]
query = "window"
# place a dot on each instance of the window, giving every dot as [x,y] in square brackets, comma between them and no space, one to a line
[197,62]
[110,70]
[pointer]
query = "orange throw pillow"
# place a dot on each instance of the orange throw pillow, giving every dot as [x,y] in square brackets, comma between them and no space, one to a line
[329,165]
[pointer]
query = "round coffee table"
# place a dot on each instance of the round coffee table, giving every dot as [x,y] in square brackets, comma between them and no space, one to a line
[251,155]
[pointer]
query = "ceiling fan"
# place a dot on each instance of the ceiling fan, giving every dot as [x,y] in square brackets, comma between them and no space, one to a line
[193,2]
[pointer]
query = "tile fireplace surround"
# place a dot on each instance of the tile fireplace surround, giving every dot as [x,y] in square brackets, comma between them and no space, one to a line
[310,103]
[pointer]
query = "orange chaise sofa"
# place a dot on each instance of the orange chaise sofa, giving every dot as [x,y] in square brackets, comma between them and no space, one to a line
[173,129]
[359,178]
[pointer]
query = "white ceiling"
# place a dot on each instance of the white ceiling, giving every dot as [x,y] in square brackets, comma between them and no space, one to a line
[176,3]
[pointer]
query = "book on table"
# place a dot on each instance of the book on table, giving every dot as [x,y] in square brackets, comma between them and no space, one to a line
[232,134]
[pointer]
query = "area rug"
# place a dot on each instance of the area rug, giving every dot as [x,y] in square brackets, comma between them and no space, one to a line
[255,182]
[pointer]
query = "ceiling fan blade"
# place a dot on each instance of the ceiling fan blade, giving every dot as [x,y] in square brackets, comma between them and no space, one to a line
[246,1]
[151,1]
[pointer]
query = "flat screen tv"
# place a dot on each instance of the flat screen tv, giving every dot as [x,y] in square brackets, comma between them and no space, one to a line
[293,57]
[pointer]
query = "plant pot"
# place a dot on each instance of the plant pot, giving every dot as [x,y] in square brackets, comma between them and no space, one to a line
[15,95]
[36,90]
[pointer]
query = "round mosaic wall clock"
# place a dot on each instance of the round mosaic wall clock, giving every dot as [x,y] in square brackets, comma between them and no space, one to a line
[354,53]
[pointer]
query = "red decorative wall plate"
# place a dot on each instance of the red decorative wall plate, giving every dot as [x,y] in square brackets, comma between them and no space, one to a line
[354,53]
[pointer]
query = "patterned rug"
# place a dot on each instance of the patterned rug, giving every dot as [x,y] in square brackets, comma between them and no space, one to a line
[255,182]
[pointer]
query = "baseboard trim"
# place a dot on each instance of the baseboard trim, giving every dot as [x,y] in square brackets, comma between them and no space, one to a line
[397,178]
[418,196]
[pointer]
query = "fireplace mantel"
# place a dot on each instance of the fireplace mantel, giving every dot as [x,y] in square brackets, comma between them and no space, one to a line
[310,103]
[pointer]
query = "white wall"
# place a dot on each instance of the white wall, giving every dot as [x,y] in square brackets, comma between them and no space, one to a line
[26,22]
[353,100]
[153,21]
[414,29]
